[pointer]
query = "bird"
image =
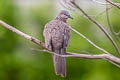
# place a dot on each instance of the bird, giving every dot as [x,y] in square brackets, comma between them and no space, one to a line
[57,34]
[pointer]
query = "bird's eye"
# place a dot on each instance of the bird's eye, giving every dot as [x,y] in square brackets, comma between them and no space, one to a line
[65,14]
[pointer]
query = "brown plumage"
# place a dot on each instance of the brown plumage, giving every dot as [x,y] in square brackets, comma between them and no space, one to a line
[57,34]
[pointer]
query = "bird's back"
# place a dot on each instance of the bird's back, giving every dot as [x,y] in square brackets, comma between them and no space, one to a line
[57,31]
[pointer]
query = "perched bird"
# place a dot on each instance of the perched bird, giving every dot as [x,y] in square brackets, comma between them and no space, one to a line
[57,34]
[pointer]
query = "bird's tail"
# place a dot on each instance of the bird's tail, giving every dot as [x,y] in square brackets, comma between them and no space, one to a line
[60,62]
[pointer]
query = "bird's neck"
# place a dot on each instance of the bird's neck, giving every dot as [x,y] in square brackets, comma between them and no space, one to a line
[61,19]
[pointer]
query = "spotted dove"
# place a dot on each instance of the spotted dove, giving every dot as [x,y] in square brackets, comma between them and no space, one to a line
[57,34]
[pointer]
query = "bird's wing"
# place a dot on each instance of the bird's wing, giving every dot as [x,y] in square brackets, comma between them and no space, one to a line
[66,35]
[47,36]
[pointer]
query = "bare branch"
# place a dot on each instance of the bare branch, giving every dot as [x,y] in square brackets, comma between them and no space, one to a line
[101,49]
[118,33]
[98,2]
[114,63]
[108,57]
[99,25]
[114,4]
[66,6]
[110,26]
[104,11]
[38,42]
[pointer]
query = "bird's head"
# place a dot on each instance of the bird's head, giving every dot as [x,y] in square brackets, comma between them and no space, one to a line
[64,15]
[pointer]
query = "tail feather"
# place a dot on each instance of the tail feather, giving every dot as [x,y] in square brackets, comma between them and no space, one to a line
[63,61]
[56,62]
[60,63]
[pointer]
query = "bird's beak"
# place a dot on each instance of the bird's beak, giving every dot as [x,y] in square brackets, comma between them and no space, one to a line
[70,17]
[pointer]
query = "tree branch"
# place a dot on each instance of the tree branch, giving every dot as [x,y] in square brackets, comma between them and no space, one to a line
[114,4]
[104,56]
[98,2]
[110,26]
[38,42]
[108,57]
[96,46]
[100,26]
[104,11]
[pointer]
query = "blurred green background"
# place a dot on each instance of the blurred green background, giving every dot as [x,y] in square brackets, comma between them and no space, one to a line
[19,62]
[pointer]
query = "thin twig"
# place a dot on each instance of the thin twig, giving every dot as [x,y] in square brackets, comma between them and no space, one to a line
[104,11]
[117,65]
[101,49]
[104,56]
[98,2]
[67,7]
[99,25]
[88,56]
[114,4]
[110,26]
[95,46]
[118,33]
